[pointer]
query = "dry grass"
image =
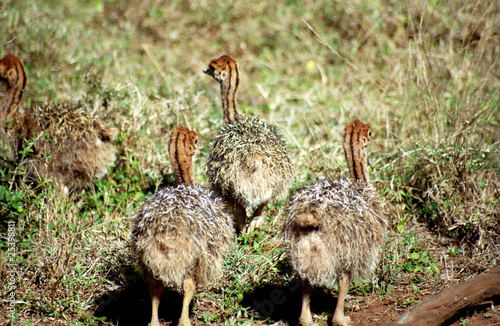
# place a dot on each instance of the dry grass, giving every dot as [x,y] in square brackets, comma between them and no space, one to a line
[424,75]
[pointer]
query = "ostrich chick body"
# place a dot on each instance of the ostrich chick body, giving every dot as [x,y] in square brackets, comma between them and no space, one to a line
[181,233]
[249,164]
[334,229]
[60,140]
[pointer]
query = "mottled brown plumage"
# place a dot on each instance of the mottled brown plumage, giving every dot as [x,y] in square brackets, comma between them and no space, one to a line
[334,229]
[249,164]
[181,234]
[64,142]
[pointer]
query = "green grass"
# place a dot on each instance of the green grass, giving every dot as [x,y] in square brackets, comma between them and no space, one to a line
[424,75]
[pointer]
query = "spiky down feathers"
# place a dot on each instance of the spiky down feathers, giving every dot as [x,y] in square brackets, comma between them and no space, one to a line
[249,163]
[66,144]
[334,227]
[180,232]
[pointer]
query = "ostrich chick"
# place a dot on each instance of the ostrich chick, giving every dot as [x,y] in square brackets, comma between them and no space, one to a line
[249,164]
[333,229]
[181,234]
[63,142]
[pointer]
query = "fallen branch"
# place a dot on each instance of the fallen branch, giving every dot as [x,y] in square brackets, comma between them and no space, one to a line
[439,308]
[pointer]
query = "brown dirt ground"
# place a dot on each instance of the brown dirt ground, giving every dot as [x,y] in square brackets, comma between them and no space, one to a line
[131,306]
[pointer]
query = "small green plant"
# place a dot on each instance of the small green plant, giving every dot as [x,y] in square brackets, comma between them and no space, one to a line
[385,288]
[456,251]
[408,302]
[12,202]
[421,262]
[208,317]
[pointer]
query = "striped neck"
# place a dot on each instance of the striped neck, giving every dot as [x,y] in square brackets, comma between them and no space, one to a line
[356,141]
[12,71]
[225,70]
[228,92]
[182,147]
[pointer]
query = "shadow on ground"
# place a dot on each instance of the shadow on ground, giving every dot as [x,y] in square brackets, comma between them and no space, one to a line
[283,302]
[130,304]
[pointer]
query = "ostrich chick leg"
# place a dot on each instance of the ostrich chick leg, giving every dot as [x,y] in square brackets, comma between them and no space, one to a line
[257,218]
[188,287]
[155,290]
[240,216]
[338,317]
[305,314]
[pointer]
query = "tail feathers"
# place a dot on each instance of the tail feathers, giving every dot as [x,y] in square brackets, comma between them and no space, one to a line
[307,219]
